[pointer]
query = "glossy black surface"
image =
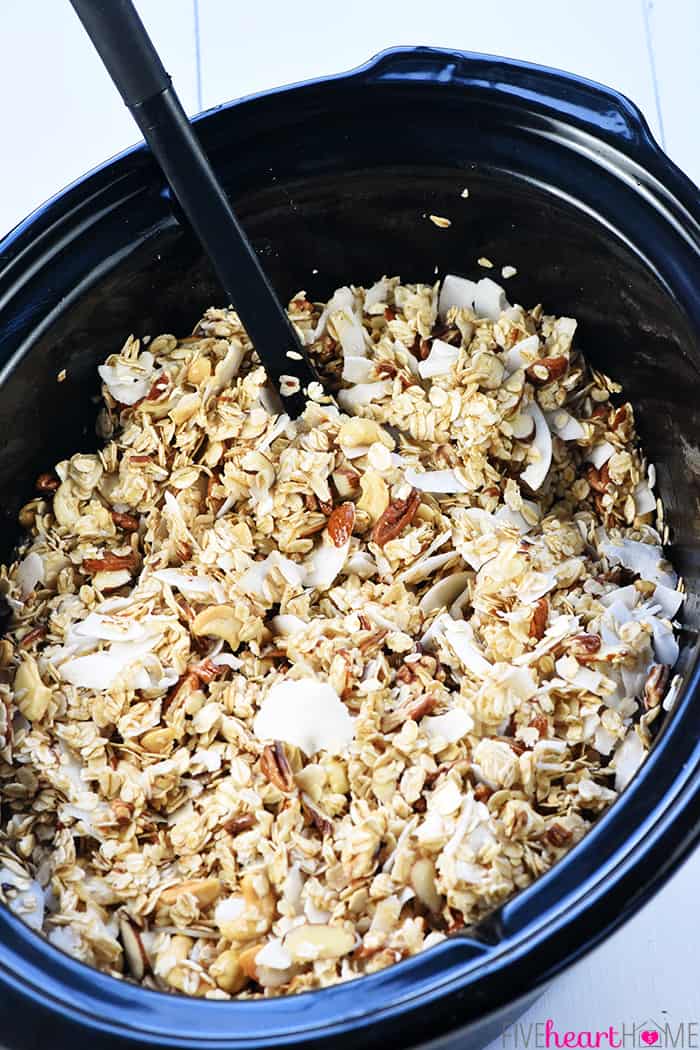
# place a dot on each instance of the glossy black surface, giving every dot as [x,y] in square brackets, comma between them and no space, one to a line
[337,177]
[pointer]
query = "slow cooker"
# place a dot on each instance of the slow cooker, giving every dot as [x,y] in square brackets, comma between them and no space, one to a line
[334,181]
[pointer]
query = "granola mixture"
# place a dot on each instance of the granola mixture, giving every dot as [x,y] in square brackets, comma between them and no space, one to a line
[286,702]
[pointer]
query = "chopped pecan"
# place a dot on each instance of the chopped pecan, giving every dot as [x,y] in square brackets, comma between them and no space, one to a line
[111,562]
[540,723]
[317,818]
[187,682]
[32,636]
[275,767]
[557,835]
[340,524]
[414,710]
[389,313]
[599,480]
[584,647]
[47,483]
[656,685]
[386,368]
[127,522]
[538,623]
[215,502]
[207,670]
[123,811]
[395,518]
[546,370]
[424,348]
[373,641]
[235,825]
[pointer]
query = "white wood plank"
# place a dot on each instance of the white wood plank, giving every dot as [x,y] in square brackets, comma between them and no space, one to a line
[674,27]
[249,47]
[61,114]
[646,970]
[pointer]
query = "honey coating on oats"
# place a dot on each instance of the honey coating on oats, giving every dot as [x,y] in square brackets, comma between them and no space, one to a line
[282,702]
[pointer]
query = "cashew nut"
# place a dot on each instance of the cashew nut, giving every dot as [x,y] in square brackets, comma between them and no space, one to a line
[219,621]
[31,695]
[375,495]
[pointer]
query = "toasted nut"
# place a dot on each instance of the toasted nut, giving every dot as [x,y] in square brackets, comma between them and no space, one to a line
[523,426]
[375,495]
[346,481]
[235,825]
[310,942]
[546,370]
[340,524]
[158,740]
[584,647]
[31,695]
[599,480]
[423,882]
[159,387]
[205,890]
[358,431]
[228,972]
[111,562]
[31,637]
[199,371]
[540,723]
[317,818]
[538,623]
[395,518]
[47,483]
[219,621]
[656,685]
[482,792]
[6,652]
[135,954]
[66,506]
[246,961]
[127,522]
[275,767]
[558,835]
[413,710]
[185,408]
[123,811]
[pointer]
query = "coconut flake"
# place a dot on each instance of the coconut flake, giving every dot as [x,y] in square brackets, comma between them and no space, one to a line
[342,299]
[599,454]
[363,394]
[535,585]
[444,592]
[98,627]
[644,499]
[361,564]
[627,759]
[456,291]
[285,625]
[522,354]
[444,481]
[460,637]
[440,361]
[644,559]
[357,369]
[450,727]
[324,564]
[376,294]
[253,580]
[29,572]
[307,714]
[195,587]
[536,472]
[274,955]
[490,299]
[128,383]
[564,425]
[668,599]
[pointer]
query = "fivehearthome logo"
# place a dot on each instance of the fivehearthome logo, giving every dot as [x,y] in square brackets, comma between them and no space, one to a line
[636,1035]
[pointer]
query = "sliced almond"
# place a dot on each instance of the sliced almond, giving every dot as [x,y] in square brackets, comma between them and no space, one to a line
[423,882]
[205,890]
[310,941]
[135,954]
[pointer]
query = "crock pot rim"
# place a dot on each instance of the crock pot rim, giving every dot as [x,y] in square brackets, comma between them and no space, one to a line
[616,120]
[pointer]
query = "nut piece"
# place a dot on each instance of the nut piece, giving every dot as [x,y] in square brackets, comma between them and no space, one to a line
[219,621]
[346,481]
[111,562]
[246,961]
[423,882]
[358,431]
[375,495]
[656,685]
[228,972]
[599,480]
[340,524]
[395,518]
[157,740]
[127,522]
[135,954]
[47,483]
[584,647]
[310,942]
[31,695]
[205,890]
[275,767]
[546,370]
[538,623]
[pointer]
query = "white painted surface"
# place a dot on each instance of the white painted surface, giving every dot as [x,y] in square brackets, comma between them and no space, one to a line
[60,116]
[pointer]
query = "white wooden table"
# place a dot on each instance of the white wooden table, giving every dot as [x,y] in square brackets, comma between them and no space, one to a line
[61,116]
